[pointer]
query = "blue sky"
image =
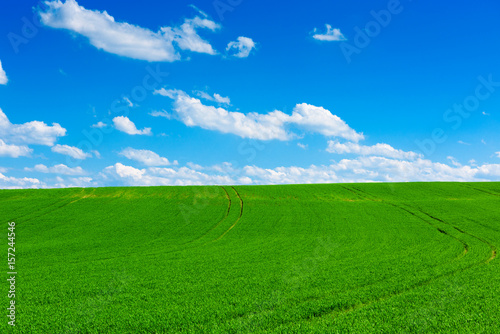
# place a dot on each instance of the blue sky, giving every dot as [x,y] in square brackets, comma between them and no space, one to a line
[106,93]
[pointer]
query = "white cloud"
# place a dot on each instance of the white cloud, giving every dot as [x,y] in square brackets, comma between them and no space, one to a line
[57,169]
[498,154]
[154,176]
[14,151]
[18,183]
[215,98]
[240,48]
[162,113]
[194,166]
[187,38]
[124,124]
[373,169]
[34,132]
[463,143]
[3,76]
[71,151]
[331,34]
[302,146]
[72,182]
[99,125]
[96,154]
[128,102]
[454,161]
[268,126]
[148,158]
[383,150]
[128,40]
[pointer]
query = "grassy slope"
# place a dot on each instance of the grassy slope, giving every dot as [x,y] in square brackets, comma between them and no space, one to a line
[415,257]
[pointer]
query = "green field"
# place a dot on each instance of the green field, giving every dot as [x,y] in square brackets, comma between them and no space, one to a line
[361,258]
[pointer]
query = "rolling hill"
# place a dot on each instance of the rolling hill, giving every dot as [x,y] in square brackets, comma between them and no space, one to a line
[361,258]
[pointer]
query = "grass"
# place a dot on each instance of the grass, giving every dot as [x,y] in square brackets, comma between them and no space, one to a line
[340,258]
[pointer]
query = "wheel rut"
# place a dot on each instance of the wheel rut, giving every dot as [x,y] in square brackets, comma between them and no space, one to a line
[239,217]
[345,310]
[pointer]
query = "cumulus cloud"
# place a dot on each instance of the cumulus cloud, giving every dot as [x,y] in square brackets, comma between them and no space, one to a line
[146,157]
[3,76]
[14,151]
[498,154]
[331,34]
[272,125]
[361,169]
[161,176]
[383,150]
[240,48]
[18,183]
[72,182]
[71,151]
[124,124]
[33,132]
[125,39]
[373,169]
[57,169]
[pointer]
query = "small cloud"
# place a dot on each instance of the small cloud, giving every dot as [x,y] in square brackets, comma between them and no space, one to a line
[380,149]
[99,125]
[462,142]
[14,151]
[215,98]
[302,146]
[453,161]
[3,76]
[34,132]
[483,141]
[485,113]
[62,72]
[498,154]
[146,157]
[199,11]
[240,48]
[71,151]
[124,124]
[331,35]
[194,166]
[56,169]
[129,103]
[96,154]
[162,113]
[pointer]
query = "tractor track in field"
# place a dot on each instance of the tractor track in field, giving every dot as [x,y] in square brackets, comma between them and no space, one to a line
[345,310]
[342,311]
[65,201]
[481,190]
[219,222]
[189,244]
[239,217]
[492,247]
[466,245]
